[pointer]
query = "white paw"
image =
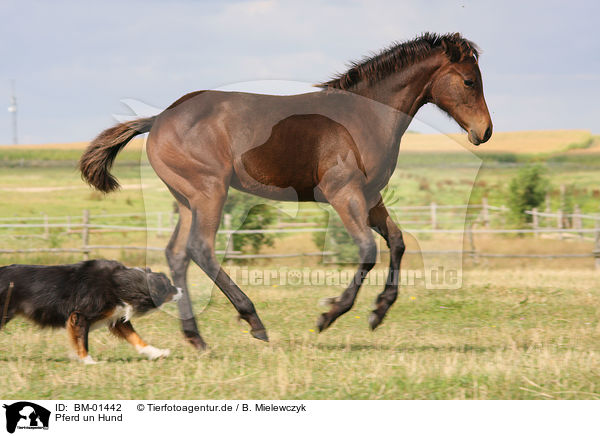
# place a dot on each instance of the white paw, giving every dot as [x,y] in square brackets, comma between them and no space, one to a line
[88,360]
[154,353]
[72,355]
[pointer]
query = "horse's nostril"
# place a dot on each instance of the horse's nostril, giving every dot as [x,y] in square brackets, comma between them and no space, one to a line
[487,134]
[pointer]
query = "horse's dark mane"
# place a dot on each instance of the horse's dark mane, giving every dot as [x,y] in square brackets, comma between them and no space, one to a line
[399,55]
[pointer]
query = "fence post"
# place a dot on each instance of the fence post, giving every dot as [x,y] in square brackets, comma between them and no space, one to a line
[576,219]
[535,222]
[563,206]
[559,222]
[46,229]
[472,250]
[160,221]
[597,245]
[85,234]
[229,238]
[547,209]
[68,224]
[433,208]
[485,212]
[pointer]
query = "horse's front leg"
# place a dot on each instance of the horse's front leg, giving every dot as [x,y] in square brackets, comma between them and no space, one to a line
[381,221]
[349,202]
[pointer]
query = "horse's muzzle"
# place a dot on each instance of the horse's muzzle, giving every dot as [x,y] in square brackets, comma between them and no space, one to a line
[476,138]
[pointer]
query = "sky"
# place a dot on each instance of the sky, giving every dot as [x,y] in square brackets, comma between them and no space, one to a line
[74,62]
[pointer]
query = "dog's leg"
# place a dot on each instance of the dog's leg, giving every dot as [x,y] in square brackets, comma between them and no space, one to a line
[78,328]
[125,330]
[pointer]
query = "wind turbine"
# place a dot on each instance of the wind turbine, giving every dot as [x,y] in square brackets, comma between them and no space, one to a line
[12,108]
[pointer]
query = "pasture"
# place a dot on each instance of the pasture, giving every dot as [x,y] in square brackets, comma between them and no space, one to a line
[516,329]
[525,334]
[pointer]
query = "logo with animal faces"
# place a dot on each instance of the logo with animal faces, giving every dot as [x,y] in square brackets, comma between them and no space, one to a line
[24,415]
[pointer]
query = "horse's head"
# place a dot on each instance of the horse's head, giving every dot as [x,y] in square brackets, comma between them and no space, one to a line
[457,89]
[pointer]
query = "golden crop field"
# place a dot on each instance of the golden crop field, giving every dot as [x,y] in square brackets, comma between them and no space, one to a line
[529,142]
[134,144]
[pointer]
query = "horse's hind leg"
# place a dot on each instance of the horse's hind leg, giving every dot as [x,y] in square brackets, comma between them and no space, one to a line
[179,260]
[380,220]
[349,202]
[206,216]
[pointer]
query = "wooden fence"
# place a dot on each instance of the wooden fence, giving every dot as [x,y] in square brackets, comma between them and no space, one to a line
[434,219]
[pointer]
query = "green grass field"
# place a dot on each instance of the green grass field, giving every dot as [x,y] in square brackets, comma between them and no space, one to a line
[516,329]
[504,335]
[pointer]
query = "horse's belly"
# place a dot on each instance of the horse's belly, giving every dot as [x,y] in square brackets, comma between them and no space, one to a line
[288,193]
[284,167]
[286,181]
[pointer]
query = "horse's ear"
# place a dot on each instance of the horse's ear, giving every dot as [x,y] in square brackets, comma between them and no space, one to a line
[451,44]
[452,49]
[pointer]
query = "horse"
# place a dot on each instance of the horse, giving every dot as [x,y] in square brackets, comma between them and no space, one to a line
[337,145]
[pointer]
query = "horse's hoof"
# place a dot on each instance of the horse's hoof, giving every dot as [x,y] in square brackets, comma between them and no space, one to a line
[374,320]
[323,322]
[195,340]
[260,334]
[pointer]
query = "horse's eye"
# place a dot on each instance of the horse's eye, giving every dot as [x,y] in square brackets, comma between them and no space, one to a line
[469,83]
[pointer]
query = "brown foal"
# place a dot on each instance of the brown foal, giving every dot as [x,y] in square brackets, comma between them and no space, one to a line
[337,146]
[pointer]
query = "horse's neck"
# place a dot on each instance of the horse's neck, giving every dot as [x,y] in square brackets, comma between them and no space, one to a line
[405,91]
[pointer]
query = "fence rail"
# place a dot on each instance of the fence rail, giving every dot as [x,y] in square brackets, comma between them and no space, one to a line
[436,218]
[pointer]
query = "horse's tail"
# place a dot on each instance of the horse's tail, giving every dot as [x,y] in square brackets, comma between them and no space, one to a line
[98,158]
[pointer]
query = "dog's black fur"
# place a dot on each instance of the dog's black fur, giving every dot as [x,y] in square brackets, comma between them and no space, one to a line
[48,295]
[84,295]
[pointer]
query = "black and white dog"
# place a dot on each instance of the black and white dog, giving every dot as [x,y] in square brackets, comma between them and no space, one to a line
[84,296]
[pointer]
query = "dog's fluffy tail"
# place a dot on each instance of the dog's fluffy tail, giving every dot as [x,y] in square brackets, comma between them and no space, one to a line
[98,158]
